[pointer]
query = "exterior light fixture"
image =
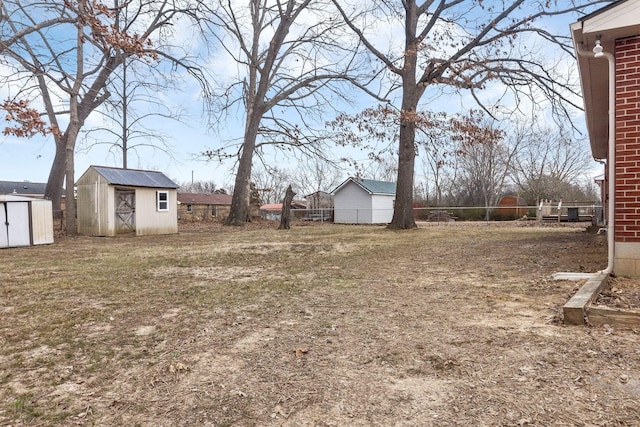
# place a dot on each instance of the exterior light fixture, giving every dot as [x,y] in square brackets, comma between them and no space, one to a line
[597,49]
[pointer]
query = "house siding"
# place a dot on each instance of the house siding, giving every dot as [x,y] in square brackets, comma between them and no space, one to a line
[627,158]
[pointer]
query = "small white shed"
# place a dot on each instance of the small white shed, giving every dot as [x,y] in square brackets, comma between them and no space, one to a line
[25,221]
[364,201]
[113,201]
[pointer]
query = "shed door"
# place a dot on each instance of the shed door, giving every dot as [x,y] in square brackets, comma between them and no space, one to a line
[125,211]
[14,224]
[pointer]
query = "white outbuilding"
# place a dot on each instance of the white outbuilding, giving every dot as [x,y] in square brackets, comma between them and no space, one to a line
[364,201]
[25,221]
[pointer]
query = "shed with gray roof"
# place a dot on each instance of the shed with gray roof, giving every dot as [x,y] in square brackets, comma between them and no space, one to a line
[364,201]
[114,201]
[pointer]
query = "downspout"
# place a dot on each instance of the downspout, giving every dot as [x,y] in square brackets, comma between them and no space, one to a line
[598,53]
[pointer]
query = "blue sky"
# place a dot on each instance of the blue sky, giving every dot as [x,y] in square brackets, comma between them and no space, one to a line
[30,159]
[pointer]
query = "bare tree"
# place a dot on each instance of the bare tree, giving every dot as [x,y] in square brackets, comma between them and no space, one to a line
[207,187]
[316,174]
[463,45]
[271,183]
[551,164]
[484,166]
[23,120]
[442,139]
[293,57]
[438,170]
[67,66]
[128,115]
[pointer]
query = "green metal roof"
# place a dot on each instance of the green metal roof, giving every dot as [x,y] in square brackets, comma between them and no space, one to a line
[370,186]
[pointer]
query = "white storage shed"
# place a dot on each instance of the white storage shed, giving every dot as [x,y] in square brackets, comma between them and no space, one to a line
[25,221]
[364,201]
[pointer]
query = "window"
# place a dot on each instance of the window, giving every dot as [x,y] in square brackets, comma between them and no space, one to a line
[163,200]
[190,208]
[214,210]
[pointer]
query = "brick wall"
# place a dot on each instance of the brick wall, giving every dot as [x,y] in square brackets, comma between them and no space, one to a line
[627,209]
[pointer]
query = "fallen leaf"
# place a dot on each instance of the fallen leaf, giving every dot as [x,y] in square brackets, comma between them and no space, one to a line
[181,367]
[301,351]
[178,367]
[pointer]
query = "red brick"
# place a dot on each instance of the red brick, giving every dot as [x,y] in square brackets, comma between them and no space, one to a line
[622,129]
[629,158]
[633,204]
[624,160]
[622,231]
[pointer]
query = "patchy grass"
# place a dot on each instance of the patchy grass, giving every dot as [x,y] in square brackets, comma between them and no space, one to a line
[318,325]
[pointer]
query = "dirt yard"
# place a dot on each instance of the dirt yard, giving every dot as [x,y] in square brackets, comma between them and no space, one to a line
[321,325]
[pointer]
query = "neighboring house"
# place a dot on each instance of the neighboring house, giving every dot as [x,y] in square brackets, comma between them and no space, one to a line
[25,221]
[609,39]
[511,207]
[199,207]
[319,205]
[364,201]
[272,211]
[113,201]
[23,188]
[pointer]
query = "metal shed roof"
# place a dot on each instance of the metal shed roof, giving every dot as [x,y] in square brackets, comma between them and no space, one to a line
[135,178]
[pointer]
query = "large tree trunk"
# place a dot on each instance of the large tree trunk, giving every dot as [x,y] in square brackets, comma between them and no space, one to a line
[55,182]
[239,214]
[403,210]
[69,198]
[62,174]
[239,211]
[70,137]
